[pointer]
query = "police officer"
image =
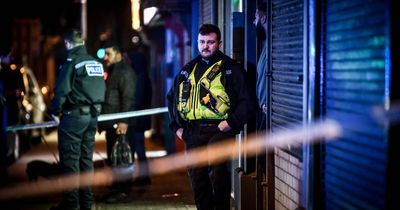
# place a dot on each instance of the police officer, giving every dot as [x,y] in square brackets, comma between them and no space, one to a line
[210,101]
[79,92]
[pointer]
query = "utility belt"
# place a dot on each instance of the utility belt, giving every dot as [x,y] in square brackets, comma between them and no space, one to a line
[93,110]
[202,123]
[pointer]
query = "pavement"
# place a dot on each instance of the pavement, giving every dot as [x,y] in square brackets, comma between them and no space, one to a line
[166,192]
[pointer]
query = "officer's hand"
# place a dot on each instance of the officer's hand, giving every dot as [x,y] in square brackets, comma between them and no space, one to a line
[179,133]
[224,126]
[121,128]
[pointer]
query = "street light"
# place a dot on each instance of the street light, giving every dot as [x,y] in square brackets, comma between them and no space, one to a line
[148,14]
[135,7]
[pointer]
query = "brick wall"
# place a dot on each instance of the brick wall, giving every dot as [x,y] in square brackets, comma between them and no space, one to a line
[288,172]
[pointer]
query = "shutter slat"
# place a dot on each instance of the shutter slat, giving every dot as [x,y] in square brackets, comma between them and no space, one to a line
[354,175]
[287,65]
[206,11]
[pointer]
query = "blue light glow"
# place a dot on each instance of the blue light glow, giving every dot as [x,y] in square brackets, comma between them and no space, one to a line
[101,53]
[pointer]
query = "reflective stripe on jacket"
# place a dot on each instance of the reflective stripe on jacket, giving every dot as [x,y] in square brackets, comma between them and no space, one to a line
[206,99]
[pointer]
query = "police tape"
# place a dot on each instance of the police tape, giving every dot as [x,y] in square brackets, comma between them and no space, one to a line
[220,151]
[103,117]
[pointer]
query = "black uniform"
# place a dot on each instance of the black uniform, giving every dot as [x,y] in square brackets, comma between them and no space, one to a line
[212,184]
[79,92]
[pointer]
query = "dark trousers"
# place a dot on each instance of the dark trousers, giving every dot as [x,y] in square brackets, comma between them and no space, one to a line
[136,142]
[75,144]
[211,184]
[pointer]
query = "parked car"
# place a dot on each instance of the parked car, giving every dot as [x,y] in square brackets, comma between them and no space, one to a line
[23,104]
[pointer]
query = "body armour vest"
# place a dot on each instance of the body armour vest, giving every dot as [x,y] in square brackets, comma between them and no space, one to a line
[89,85]
[206,99]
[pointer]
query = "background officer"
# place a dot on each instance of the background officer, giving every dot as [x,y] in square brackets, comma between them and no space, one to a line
[210,101]
[79,92]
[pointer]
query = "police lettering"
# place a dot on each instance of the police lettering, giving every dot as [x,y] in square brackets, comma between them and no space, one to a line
[95,69]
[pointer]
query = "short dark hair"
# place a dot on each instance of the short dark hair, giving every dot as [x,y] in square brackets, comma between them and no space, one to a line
[206,29]
[73,35]
[115,48]
[113,45]
[261,6]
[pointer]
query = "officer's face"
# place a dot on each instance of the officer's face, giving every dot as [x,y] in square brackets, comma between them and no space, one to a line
[208,44]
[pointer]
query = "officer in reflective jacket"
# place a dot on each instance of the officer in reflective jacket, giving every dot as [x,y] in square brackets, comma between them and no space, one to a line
[79,91]
[210,101]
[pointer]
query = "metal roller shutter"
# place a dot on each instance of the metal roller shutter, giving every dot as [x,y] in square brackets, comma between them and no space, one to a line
[287,66]
[206,11]
[355,166]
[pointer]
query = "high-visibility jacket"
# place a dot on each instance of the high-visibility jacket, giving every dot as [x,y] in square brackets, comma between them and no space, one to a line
[206,98]
[241,98]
